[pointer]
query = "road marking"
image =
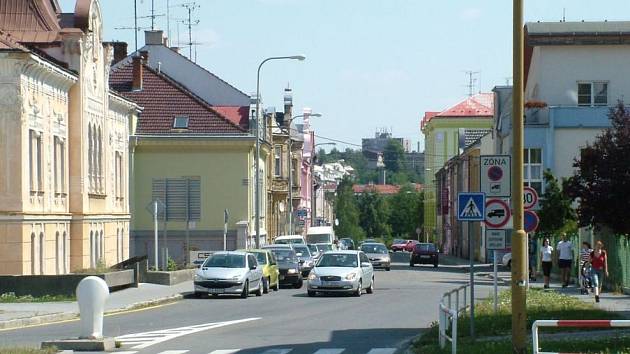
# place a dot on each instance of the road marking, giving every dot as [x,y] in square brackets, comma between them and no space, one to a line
[128,352]
[330,351]
[382,351]
[225,351]
[147,339]
[277,351]
[173,352]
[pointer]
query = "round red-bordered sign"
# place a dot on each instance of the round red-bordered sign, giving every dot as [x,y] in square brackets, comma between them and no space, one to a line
[530,197]
[501,213]
[530,221]
[495,173]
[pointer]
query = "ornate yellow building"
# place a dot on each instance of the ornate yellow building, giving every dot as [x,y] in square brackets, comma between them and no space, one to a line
[64,139]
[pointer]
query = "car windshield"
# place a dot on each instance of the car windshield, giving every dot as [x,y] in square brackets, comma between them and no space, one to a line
[302,249]
[425,247]
[374,248]
[318,238]
[397,241]
[284,255]
[338,260]
[225,261]
[288,241]
[324,247]
[313,248]
[261,257]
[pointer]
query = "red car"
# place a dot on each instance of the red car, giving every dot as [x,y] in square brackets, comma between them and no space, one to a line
[405,245]
[424,253]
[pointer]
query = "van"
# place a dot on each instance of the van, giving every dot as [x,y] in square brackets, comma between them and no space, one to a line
[321,234]
[289,240]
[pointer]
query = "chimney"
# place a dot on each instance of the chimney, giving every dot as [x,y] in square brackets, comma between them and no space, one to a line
[136,84]
[154,37]
[120,50]
[288,105]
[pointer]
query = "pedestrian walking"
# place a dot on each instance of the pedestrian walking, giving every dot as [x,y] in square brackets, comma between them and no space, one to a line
[532,248]
[585,267]
[599,261]
[546,252]
[565,258]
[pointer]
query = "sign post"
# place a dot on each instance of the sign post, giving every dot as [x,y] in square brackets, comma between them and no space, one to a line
[226,216]
[495,240]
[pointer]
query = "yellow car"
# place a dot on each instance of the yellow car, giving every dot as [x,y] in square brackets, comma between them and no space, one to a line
[267,260]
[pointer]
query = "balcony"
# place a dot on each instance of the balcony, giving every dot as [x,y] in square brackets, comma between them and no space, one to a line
[568,117]
[280,185]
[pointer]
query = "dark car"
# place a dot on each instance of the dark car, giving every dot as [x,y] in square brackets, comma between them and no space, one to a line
[424,253]
[346,243]
[288,265]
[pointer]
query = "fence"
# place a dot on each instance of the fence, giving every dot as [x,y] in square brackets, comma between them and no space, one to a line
[572,324]
[448,315]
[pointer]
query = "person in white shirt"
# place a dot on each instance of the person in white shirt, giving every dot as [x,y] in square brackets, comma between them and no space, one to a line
[545,258]
[565,258]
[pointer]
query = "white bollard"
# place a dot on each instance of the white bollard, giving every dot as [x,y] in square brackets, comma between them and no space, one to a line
[91,295]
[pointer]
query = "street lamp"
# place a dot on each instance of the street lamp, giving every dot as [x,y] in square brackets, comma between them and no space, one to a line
[290,212]
[257,154]
[313,191]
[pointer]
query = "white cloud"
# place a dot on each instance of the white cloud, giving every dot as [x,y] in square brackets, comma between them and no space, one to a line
[470,14]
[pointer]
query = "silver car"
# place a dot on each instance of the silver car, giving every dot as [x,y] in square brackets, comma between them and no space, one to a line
[341,272]
[304,257]
[378,255]
[235,273]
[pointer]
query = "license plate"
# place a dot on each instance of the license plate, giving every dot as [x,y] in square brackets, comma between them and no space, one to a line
[425,256]
[329,283]
[282,277]
[216,291]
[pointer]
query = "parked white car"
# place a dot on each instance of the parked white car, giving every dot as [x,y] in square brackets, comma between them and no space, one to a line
[507,260]
[341,272]
[235,273]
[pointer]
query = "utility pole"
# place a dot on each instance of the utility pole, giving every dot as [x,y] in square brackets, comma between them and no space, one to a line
[519,238]
[135,21]
[190,7]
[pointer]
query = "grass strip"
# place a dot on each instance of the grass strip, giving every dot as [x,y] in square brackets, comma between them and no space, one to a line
[12,298]
[24,350]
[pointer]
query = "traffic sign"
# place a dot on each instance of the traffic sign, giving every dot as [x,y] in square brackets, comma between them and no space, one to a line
[495,175]
[530,221]
[495,239]
[530,197]
[497,213]
[471,206]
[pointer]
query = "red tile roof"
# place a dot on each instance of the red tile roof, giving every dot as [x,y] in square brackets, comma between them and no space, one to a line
[32,21]
[239,115]
[163,99]
[479,105]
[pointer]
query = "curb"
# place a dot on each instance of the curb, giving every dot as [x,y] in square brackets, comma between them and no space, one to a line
[60,317]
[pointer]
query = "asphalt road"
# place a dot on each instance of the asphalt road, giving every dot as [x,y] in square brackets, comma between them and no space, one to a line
[403,304]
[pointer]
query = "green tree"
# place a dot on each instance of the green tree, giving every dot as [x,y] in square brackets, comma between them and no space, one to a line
[394,156]
[601,182]
[406,211]
[374,217]
[347,212]
[556,214]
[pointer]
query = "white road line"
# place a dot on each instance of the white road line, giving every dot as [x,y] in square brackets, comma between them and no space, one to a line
[127,352]
[174,352]
[382,351]
[277,351]
[147,339]
[330,351]
[225,351]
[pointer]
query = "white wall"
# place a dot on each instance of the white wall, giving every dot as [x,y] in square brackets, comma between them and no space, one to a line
[568,143]
[557,69]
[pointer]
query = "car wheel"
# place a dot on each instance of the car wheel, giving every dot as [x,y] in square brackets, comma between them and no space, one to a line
[388,269]
[299,284]
[265,285]
[245,292]
[435,265]
[509,265]
[359,289]
[277,286]
[260,290]
[411,263]
[311,293]
[198,295]
[370,290]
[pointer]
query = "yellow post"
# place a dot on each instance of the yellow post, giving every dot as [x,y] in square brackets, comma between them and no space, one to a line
[519,238]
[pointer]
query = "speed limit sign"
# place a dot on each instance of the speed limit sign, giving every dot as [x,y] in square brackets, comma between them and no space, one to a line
[530,198]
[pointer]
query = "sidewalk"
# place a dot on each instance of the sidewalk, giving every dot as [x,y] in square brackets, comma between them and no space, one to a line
[17,315]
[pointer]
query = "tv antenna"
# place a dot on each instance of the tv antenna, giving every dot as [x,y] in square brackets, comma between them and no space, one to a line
[471,81]
[191,6]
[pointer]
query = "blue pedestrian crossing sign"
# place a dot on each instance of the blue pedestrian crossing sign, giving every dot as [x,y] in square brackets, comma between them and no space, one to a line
[471,206]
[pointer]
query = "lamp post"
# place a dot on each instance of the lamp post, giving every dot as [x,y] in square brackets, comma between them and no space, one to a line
[290,211]
[257,153]
[313,191]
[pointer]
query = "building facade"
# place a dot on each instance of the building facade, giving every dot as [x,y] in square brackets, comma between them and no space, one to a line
[65,136]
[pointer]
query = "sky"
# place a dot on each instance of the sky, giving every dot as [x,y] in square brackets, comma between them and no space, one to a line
[371,64]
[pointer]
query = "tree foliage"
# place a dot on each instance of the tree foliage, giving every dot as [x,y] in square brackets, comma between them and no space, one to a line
[406,211]
[601,183]
[347,212]
[556,213]
[374,215]
[394,156]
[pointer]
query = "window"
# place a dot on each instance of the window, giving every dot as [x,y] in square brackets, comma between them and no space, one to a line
[180,122]
[533,169]
[59,165]
[592,93]
[118,175]
[35,161]
[278,161]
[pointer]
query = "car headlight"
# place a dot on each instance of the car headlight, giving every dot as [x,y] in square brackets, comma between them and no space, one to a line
[292,271]
[351,276]
[312,276]
[386,259]
[198,277]
[236,277]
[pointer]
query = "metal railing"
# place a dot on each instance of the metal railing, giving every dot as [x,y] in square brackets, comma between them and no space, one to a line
[572,324]
[448,313]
